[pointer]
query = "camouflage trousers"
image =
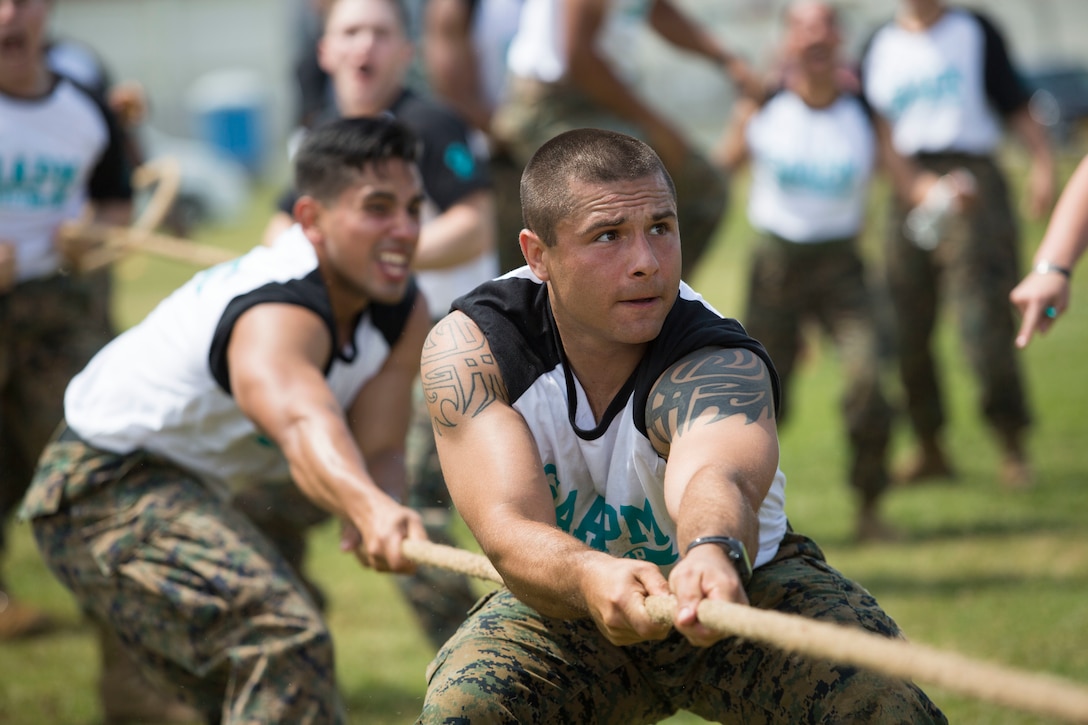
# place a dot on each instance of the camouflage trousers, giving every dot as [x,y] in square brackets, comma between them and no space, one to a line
[49,330]
[509,664]
[824,283]
[974,267]
[196,594]
[535,112]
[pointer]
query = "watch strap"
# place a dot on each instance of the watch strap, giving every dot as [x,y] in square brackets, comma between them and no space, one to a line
[734,549]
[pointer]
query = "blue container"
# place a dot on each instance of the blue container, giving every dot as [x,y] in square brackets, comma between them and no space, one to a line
[230,109]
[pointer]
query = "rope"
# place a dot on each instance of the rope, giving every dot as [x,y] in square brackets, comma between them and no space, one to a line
[92,246]
[1042,694]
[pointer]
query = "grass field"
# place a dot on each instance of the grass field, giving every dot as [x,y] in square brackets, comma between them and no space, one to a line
[992,574]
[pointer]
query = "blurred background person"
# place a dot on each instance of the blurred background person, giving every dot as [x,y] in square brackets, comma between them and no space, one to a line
[62,159]
[813,147]
[943,78]
[562,77]
[465,44]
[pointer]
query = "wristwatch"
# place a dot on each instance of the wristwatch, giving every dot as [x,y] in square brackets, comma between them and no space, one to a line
[734,549]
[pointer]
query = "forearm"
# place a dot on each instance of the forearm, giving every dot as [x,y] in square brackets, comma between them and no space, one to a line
[1066,235]
[1042,181]
[545,567]
[327,466]
[1035,140]
[909,181]
[594,76]
[717,505]
[731,151]
[451,61]
[458,235]
[680,31]
[113,213]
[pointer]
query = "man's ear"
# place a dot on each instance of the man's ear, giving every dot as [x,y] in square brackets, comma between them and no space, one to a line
[308,212]
[322,55]
[534,251]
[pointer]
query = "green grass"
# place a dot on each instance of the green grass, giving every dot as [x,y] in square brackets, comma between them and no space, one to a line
[992,574]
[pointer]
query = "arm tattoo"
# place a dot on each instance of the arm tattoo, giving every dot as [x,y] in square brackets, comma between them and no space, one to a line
[459,374]
[725,382]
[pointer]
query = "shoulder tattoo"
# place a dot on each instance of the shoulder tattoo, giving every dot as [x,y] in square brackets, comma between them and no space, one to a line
[724,382]
[459,375]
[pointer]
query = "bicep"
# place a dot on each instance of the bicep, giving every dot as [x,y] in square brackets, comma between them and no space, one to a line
[715,409]
[275,359]
[489,458]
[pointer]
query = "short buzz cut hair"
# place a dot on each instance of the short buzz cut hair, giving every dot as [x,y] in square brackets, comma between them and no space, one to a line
[333,155]
[590,155]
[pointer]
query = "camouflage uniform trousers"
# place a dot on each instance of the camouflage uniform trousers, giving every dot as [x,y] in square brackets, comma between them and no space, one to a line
[535,112]
[974,267]
[509,664]
[195,593]
[790,284]
[439,599]
[49,330]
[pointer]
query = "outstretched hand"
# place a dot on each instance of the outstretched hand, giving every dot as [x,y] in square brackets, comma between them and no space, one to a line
[1041,299]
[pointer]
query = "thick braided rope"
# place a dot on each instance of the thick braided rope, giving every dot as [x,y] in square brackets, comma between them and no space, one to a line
[1029,691]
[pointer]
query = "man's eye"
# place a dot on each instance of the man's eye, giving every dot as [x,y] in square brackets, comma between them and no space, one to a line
[609,236]
[660,228]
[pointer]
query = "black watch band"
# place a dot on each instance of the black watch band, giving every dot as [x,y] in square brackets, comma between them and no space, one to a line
[734,549]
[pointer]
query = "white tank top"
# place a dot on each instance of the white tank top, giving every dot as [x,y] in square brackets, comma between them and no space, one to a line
[811,168]
[160,386]
[931,86]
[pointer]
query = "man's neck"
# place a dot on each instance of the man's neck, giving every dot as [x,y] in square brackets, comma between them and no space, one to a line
[920,15]
[33,82]
[360,108]
[816,90]
[601,374]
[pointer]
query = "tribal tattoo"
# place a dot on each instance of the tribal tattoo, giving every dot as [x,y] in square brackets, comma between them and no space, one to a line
[724,382]
[459,374]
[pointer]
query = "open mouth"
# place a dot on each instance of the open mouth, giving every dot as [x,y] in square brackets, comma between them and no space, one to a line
[13,43]
[395,265]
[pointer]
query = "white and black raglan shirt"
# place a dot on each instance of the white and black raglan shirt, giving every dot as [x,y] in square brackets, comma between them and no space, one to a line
[163,386]
[811,167]
[943,90]
[57,151]
[606,479]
